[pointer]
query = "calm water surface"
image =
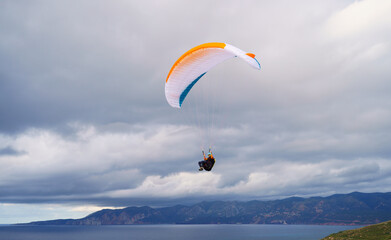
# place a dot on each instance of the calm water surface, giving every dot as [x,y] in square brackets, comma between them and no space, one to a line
[170,232]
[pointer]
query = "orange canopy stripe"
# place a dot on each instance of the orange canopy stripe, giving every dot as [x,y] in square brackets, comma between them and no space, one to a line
[205,45]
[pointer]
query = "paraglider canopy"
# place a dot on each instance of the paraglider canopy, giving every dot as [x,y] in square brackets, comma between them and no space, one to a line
[193,64]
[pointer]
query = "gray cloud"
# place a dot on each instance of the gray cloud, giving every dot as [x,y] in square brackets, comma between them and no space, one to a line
[9,151]
[84,118]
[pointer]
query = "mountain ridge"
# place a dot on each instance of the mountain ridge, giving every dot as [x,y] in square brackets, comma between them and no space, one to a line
[339,209]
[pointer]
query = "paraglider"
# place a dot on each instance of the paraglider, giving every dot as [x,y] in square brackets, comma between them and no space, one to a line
[193,65]
[207,163]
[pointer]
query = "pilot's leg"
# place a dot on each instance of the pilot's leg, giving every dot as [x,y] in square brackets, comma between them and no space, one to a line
[201,164]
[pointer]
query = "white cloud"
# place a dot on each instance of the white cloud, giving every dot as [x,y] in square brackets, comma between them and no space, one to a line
[89,157]
[183,184]
[360,18]
[271,180]
[23,213]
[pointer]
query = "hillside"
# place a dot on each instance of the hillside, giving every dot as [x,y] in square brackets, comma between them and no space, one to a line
[381,231]
[341,209]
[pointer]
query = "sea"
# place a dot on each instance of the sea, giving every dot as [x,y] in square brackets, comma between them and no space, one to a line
[170,232]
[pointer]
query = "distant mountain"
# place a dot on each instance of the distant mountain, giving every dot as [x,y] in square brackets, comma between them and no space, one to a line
[340,209]
[380,231]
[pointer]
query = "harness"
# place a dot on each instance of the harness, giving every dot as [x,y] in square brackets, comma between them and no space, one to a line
[209,162]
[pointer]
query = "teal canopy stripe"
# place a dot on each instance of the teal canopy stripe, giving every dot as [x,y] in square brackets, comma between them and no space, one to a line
[187,90]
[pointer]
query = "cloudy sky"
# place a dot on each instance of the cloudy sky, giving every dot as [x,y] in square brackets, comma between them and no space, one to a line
[84,123]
